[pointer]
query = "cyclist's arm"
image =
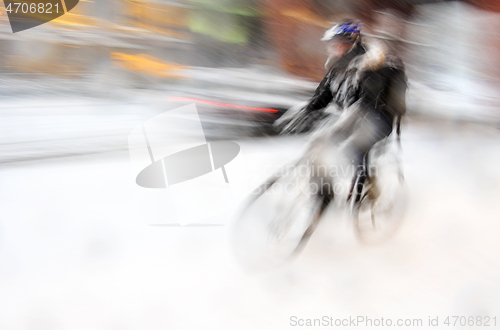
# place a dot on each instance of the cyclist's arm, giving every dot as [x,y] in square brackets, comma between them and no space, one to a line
[300,118]
[322,97]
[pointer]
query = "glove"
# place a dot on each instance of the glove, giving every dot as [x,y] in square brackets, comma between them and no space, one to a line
[288,116]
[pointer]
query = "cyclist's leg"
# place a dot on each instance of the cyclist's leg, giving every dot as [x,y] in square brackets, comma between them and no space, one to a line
[373,127]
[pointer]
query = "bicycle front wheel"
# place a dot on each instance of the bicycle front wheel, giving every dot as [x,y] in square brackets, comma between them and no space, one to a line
[277,221]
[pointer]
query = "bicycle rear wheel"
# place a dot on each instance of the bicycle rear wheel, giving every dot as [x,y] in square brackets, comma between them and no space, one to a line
[277,221]
[381,209]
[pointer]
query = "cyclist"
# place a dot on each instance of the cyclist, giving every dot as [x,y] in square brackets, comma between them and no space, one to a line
[363,75]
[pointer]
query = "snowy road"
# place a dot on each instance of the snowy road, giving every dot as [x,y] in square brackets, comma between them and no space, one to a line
[77,249]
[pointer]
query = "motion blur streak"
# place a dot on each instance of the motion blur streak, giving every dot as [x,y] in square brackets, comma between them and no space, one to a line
[190,99]
[149,65]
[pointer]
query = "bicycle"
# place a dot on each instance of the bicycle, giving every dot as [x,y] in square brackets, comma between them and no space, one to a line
[276,224]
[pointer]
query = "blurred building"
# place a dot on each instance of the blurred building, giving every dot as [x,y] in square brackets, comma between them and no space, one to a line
[144,38]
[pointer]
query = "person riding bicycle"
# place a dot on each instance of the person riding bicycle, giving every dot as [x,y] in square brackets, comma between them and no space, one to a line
[361,74]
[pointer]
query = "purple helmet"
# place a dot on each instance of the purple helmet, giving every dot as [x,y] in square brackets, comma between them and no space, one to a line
[348,30]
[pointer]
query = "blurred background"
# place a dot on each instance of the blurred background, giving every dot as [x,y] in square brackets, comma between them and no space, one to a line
[77,245]
[107,48]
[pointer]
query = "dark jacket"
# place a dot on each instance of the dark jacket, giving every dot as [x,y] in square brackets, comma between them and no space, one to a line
[368,75]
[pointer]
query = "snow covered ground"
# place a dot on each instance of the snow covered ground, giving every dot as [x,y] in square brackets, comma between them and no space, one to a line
[78,249]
